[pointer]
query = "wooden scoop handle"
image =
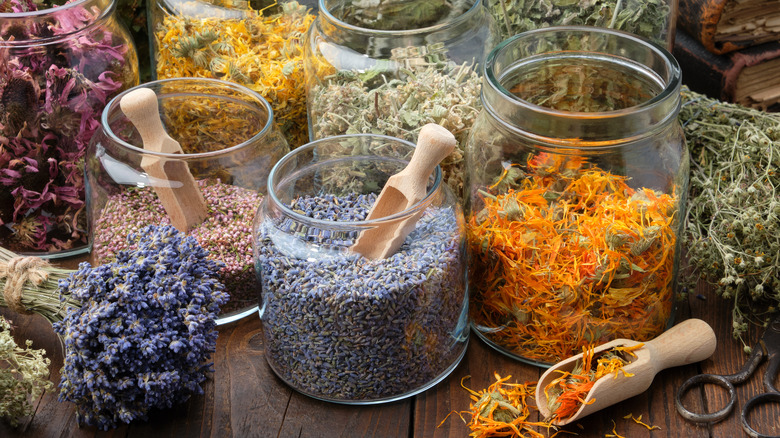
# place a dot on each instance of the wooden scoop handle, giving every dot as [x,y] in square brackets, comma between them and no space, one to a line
[689,341]
[434,143]
[182,200]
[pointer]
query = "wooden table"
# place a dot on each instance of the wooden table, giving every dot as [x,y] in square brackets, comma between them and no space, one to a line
[243,398]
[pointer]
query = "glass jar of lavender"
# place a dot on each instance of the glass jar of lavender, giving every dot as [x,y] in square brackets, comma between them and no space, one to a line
[341,327]
[228,144]
[59,66]
[578,175]
[390,67]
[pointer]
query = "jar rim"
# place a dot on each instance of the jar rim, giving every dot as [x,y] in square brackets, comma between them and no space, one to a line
[293,155]
[671,84]
[324,12]
[104,12]
[114,103]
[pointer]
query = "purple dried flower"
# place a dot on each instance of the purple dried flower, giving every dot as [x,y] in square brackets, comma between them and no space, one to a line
[145,331]
[51,98]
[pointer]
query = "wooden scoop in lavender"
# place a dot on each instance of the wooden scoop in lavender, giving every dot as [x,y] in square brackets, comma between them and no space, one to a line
[615,371]
[402,191]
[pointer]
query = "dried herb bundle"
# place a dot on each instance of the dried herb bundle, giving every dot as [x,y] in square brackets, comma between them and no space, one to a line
[733,222]
[23,375]
[647,18]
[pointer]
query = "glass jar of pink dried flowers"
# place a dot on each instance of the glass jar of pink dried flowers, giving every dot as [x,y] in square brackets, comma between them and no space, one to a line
[59,66]
[229,143]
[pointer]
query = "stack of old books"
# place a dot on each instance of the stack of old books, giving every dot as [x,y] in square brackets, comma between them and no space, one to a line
[730,50]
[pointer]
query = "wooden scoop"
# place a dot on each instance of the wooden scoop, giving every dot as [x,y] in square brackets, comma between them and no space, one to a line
[182,200]
[403,190]
[690,341]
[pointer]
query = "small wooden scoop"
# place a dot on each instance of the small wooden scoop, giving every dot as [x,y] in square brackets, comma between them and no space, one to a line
[182,200]
[403,190]
[690,341]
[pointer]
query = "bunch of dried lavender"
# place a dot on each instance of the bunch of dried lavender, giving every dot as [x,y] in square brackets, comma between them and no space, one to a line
[398,104]
[733,223]
[647,18]
[51,98]
[24,375]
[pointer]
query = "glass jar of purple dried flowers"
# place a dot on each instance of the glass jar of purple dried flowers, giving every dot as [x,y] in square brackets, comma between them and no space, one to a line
[341,327]
[390,67]
[59,66]
[228,144]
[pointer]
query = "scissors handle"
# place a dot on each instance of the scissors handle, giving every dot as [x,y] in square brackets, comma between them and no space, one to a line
[769,397]
[701,379]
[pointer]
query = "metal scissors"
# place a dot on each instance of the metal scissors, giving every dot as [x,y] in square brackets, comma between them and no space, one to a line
[766,348]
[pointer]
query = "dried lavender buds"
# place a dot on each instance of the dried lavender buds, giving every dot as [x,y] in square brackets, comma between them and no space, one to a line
[226,233]
[56,75]
[145,330]
[24,374]
[344,328]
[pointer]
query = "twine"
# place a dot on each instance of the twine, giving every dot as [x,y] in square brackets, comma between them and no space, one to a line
[17,271]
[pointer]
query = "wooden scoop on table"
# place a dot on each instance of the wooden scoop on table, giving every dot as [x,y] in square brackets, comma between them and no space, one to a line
[690,341]
[182,200]
[403,190]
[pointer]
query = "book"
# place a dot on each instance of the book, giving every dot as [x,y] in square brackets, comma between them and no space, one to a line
[750,77]
[723,26]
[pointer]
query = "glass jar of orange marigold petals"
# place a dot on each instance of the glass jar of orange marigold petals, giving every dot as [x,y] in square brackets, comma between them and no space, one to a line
[257,44]
[578,173]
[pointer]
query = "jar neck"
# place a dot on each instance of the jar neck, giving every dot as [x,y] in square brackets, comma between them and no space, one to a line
[331,21]
[24,28]
[635,60]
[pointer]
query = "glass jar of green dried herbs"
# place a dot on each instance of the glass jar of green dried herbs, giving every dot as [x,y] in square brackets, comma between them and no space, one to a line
[228,144]
[391,66]
[578,175]
[257,44]
[60,63]
[651,19]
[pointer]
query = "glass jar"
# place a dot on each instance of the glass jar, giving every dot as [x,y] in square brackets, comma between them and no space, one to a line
[392,68]
[229,144]
[257,46]
[652,19]
[578,173]
[58,69]
[340,327]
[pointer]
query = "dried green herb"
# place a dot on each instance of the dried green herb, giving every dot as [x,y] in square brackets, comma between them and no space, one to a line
[733,223]
[648,18]
[398,14]
[24,374]
[398,103]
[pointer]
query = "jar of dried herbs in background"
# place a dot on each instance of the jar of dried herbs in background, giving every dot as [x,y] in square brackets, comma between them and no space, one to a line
[651,19]
[578,174]
[59,66]
[229,143]
[391,66]
[258,44]
[341,327]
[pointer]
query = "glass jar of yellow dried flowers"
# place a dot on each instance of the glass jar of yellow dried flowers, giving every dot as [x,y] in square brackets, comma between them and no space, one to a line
[206,180]
[391,66]
[253,43]
[59,66]
[578,173]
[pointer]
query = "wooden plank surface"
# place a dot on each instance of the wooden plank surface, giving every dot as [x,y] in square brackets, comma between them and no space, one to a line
[244,398]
